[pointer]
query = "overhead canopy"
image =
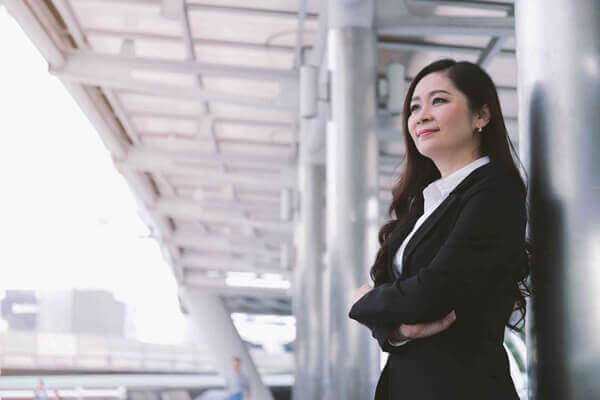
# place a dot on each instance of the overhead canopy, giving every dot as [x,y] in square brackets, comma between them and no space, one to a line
[198,103]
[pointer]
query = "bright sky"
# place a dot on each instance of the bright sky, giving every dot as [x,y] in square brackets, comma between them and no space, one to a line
[67,218]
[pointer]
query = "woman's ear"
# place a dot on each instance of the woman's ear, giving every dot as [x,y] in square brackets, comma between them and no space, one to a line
[483,116]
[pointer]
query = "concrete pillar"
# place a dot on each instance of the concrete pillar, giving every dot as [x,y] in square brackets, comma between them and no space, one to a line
[558,56]
[216,328]
[352,205]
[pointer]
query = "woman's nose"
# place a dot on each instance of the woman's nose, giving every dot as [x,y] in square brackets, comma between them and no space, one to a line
[424,116]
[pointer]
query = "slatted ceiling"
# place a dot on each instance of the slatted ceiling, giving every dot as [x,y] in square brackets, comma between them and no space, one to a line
[509,103]
[165,78]
[172,133]
[509,44]
[187,182]
[172,144]
[504,73]
[267,214]
[255,149]
[423,58]
[105,45]
[312,6]
[466,11]
[222,25]
[245,112]
[243,87]
[239,56]
[158,125]
[256,196]
[207,51]
[124,16]
[137,102]
[159,49]
[457,40]
[240,168]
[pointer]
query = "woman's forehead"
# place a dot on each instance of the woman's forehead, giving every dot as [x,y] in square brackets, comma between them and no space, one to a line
[431,82]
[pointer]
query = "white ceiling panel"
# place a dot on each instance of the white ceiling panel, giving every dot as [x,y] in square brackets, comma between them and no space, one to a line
[244,112]
[146,103]
[131,16]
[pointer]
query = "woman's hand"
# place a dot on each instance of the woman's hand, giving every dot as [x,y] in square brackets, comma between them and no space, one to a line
[419,331]
[360,292]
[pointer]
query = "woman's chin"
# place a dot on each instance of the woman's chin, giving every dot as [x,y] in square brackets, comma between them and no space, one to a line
[429,150]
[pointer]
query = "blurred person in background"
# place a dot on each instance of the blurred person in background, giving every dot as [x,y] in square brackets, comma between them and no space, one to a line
[236,383]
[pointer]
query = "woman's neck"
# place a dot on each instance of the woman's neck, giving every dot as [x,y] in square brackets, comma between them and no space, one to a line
[449,165]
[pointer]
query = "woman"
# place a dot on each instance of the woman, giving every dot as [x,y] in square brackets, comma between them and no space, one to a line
[452,263]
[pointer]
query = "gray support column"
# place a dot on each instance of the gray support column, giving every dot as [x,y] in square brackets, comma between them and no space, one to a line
[307,300]
[214,325]
[352,204]
[558,56]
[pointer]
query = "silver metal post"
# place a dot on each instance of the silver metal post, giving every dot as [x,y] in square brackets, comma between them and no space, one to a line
[558,55]
[307,300]
[352,206]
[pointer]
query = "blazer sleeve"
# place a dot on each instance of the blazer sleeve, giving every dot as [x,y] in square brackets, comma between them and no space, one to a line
[383,334]
[489,233]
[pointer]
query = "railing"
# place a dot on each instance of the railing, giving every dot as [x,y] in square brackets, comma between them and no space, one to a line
[45,351]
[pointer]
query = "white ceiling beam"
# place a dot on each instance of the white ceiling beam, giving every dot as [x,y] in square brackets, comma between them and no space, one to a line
[229,264]
[414,25]
[477,5]
[189,211]
[434,47]
[189,239]
[176,39]
[219,286]
[117,62]
[66,11]
[35,31]
[254,12]
[216,120]
[159,163]
[491,50]
[116,75]
[244,11]
[210,244]
[184,151]
[235,206]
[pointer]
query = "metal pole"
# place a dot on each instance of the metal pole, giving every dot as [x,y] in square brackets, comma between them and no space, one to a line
[307,302]
[558,55]
[213,322]
[352,206]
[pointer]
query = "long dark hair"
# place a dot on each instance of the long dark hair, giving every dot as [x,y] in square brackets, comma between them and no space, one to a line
[419,171]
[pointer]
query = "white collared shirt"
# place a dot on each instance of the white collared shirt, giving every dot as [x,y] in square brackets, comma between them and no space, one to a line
[433,195]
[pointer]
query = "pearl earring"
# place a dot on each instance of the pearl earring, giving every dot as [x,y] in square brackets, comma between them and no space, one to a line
[480,129]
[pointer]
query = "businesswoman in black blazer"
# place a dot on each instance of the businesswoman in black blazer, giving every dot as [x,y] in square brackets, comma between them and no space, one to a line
[453,260]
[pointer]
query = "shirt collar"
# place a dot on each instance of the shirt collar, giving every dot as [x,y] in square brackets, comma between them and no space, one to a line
[442,187]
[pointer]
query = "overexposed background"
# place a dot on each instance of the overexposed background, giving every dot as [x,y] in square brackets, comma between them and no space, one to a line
[67,218]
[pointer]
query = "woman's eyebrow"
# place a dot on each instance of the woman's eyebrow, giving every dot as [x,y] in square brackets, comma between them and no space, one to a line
[431,94]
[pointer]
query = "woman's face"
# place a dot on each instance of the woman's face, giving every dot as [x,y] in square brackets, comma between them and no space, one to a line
[440,122]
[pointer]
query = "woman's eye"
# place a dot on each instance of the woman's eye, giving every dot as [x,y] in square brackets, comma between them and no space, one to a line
[440,100]
[414,108]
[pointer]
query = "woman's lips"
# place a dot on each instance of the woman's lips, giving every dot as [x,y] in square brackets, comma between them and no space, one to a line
[426,133]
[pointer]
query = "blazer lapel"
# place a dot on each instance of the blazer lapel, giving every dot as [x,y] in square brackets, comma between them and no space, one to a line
[394,242]
[428,224]
[435,217]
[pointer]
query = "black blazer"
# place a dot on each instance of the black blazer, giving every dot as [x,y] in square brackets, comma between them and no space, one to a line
[465,258]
